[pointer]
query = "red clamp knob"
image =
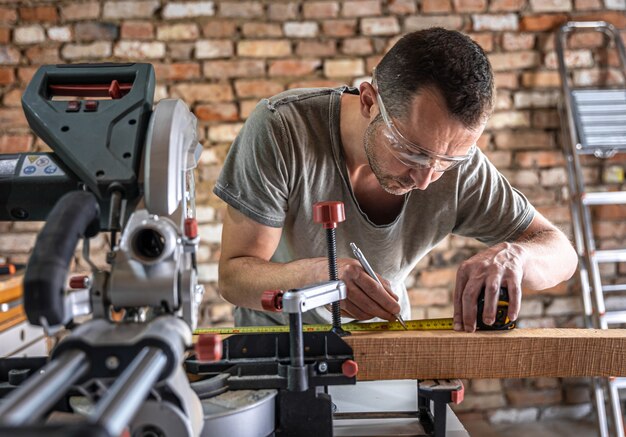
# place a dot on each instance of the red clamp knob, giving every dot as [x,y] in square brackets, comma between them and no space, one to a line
[349,368]
[208,347]
[329,213]
[191,228]
[458,395]
[78,282]
[272,300]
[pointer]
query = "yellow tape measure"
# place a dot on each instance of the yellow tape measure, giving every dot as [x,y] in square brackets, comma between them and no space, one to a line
[413,325]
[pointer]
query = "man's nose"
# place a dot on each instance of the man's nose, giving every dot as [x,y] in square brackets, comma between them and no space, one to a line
[423,177]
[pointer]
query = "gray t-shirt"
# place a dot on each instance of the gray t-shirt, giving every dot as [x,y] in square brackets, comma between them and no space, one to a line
[289,155]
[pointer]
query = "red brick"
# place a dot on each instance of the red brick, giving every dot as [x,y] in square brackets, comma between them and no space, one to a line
[541,79]
[507,5]
[585,5]
[317,10]
[380,26]
[260,30]
[484,40]
[357,46]
[315,83]
[469,5]
[257,88]
[81,11]
[437,278]
[436,6]
[585,40]
[339,28]
[616,18]
[7,75]
[178,32]
[15,143]
[92,31]
[12,118]
[513,61]
[317,48]
[343,67]
[234,68]
[539,159]
[372,61]
[5,35]
[25,74]
[7,15]
[217,112]
[418,22]
[546,119]
[282,11]
[609,212]
[361,8]
[43,55]
[177,71]
[506,80]
[241,9]
[402,7]
[141,30]
[541,23]
[219,29]
[39,14]
[180,51]
[246,107]
[13,98]
[294,67]
[203,92]
[264,48]
[517,41]
[523,139]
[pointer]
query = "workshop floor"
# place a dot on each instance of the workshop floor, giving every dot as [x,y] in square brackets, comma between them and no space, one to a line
[546,428]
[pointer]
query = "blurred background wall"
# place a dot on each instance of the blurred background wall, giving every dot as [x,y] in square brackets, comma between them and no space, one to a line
[221,57]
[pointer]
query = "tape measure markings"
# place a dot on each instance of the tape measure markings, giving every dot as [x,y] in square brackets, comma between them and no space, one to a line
[413,325]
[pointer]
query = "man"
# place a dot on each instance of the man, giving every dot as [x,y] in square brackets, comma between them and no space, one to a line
[400,153]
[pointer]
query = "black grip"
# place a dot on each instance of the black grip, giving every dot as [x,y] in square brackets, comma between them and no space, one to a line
[75,215]
[502,321]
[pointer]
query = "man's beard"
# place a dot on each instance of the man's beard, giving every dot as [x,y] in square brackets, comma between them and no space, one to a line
[392,185]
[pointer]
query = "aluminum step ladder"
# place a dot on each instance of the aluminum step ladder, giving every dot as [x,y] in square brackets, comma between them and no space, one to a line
[594,123]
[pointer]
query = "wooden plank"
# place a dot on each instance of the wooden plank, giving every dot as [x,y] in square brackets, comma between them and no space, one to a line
[519,353]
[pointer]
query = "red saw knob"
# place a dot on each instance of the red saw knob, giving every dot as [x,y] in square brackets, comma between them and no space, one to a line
[349,368]
[208,347]
[272,300]
[191,228]
[329,213]
[78,282]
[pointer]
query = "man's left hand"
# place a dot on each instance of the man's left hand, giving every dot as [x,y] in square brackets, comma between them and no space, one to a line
[498,266]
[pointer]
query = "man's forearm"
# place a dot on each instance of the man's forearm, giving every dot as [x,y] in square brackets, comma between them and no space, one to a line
[548,259]
[243,280]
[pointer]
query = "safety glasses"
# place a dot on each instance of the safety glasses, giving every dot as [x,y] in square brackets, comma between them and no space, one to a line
[409,153]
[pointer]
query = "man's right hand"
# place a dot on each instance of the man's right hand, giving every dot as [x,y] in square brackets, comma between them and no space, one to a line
[366,298]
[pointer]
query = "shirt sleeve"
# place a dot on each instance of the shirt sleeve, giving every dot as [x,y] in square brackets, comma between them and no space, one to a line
[489,208]
[254,179]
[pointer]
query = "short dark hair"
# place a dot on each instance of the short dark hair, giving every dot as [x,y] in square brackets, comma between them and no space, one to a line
[445,59]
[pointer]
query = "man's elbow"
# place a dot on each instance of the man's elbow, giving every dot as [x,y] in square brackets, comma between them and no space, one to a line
[224,283]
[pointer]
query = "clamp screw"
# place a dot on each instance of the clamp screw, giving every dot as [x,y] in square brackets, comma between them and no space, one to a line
[322,367]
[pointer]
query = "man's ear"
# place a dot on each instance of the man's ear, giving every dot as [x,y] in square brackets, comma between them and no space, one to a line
[367,99]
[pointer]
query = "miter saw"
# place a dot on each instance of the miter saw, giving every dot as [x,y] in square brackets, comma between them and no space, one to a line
[123,167]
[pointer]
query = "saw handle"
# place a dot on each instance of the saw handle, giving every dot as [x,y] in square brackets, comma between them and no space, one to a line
[502,318]
[75,215]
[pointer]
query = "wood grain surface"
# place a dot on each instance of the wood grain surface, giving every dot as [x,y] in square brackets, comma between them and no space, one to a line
[519,353]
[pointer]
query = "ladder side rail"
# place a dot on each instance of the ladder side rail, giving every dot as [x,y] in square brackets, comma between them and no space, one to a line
[574,200]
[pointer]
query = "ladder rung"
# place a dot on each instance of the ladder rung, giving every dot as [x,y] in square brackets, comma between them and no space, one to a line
[609,256]
[615,317]
[603,95]
[613,288]
[604,198]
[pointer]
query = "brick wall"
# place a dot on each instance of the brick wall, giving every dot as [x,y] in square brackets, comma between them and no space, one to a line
[221,57]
